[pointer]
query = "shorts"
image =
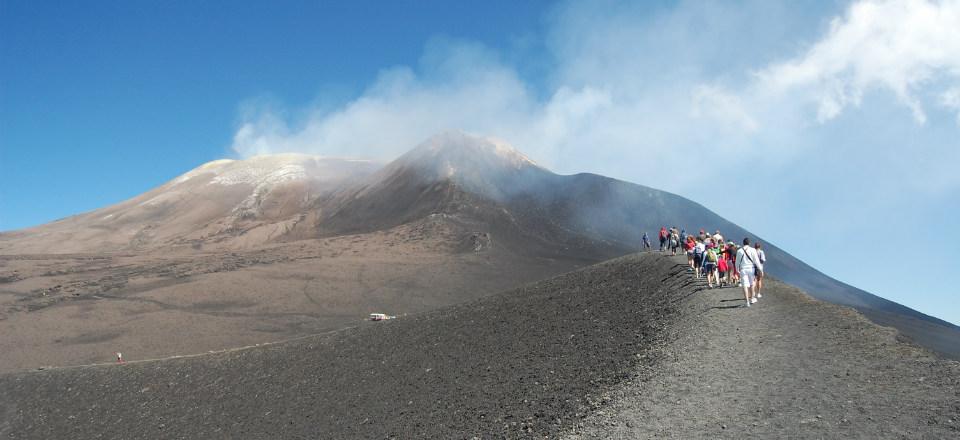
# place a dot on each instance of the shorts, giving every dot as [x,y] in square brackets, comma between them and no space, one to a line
[747,278]
[709,267]
[697,260]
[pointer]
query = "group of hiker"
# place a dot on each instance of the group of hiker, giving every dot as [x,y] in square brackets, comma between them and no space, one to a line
[721,263]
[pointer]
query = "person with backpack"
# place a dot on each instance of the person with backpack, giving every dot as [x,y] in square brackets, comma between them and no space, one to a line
[733,277]
[674,242]
[722,268]
[748,264]
[688,248]
[710,265]
[698,258]
[762,258]
[663,238]
[646,242]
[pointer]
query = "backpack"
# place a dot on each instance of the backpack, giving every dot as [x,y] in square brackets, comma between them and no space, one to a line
[711,256]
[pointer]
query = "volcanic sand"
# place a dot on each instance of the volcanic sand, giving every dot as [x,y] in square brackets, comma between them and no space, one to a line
[520,362]
[60,310]
[789,366]
[631,348]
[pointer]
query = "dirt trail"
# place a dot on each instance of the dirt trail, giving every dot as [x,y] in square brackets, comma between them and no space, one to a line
[788,367]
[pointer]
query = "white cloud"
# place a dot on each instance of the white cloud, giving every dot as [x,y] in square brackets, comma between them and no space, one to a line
[719,104]
[628,86]
[459,85]
[951,99]
[900,46]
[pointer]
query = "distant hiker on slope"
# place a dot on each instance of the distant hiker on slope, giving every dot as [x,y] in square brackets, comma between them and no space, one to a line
[762,258]
[663,238]
[710,265]
[688,246]
[730,254]
[748,264]
[646,242]
[722,268]
[698,258]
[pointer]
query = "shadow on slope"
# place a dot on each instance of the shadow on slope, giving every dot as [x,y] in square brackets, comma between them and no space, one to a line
[526,362]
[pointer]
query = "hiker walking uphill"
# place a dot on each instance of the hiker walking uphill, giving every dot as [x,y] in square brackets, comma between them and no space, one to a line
[646,242]
[688,246]
[663,238]
[674,241]
[762,258]
[730,255]
[710,265]
[722,264]
[749,266]
[698,249]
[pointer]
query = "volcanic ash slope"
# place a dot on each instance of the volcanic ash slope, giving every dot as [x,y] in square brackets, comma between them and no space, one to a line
[630,347]
[528,361]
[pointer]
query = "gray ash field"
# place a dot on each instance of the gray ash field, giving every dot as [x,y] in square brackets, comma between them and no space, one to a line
[632,347]
[526,362]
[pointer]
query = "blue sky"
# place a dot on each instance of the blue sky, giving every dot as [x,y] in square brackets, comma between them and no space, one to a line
[829,128]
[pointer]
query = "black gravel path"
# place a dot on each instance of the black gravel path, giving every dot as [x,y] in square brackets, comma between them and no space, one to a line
[532,362]
[788,367]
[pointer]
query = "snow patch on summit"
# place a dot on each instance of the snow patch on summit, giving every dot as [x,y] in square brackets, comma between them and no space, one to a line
[208,167]
[255,175]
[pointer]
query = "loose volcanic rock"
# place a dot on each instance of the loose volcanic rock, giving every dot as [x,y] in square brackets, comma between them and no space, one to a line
[525,363]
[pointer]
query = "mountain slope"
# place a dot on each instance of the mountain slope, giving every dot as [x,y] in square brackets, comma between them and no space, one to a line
[480,191]
[583,211]
[259,198]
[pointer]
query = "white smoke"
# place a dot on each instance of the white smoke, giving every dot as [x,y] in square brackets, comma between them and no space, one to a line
[641,87]
[806,118]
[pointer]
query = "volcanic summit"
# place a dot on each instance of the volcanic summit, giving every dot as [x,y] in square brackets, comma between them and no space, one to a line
[240,253]
[284,245]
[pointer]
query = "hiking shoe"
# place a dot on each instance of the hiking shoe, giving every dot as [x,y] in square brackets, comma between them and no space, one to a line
[753,300]
[759,296]
[748,304]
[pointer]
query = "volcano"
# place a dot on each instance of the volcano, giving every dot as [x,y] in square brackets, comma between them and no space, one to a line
[238,252]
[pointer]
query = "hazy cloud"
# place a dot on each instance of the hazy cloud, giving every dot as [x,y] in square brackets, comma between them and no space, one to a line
[723,106]
[457,85]
[900,46]
[630,89]
[951,99]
